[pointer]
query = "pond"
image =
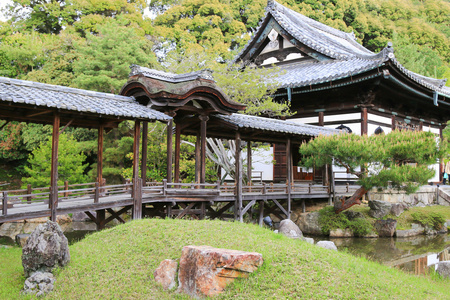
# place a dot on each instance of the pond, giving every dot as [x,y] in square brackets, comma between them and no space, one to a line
[412,254]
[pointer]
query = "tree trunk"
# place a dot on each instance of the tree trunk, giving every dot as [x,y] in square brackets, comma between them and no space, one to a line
[343,204]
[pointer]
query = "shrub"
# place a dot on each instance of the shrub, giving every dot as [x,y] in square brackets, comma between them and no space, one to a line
[433,220]
[329,220]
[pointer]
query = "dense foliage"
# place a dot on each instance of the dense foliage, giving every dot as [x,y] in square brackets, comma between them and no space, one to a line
[329,220]
[90,44]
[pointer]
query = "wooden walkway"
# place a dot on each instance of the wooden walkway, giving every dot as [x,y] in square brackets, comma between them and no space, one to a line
[163,199]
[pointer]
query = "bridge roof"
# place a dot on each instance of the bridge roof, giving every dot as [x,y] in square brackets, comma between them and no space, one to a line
[36,102]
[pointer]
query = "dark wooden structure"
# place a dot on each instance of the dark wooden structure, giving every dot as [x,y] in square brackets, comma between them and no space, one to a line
[331,80]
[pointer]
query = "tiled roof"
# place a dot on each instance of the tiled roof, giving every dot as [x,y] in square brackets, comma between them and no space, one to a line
[65,98]
[274,125]
[171,77]
[347,56]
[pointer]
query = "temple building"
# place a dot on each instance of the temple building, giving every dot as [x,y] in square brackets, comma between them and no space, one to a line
[331,80]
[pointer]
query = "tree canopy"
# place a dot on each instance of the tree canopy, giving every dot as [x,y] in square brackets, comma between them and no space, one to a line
[399,159]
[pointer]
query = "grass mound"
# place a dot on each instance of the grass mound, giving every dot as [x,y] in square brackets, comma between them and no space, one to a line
[118,263]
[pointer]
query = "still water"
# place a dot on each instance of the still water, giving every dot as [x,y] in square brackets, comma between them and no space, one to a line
[412,254]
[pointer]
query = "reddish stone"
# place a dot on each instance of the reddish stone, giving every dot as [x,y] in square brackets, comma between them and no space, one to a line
[166,273]
[205,270]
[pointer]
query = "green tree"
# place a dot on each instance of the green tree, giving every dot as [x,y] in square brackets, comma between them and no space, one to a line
[104,59]
[70,163]
[399,159]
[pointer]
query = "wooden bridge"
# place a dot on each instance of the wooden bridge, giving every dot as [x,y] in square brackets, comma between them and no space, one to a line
[164,200]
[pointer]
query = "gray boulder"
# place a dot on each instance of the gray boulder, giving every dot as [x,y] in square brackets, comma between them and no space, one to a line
[39,283]
[46,249]
[385,228]
[327,245]
[309,223]
[290,229]
[309,240]
[443,268]
[398,208]
[379,209]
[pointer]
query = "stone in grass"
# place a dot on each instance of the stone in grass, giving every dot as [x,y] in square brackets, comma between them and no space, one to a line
[46,248]
[206,271]
[385,228]
[443,268]
[290,229]
[166,274]
[39,283]
[21,239]
[379,209]
[327,245]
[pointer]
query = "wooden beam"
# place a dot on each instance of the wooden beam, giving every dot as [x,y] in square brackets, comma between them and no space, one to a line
[321,118]
[54,168]
[364,117]
[67,125]
[177,153]
[289,175]
[100,155]
[169,150]
[238,178]
[144,152]
[185,211]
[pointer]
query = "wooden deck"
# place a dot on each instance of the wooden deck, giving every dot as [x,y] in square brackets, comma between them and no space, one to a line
[162,199]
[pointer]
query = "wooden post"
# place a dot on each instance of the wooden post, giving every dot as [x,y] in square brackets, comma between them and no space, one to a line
[96,192]
[393,122]
[100,219]
[100,154]
[144,152]
[261,213]
[289,175]
[169,150]
[203,120]
[238,178]
[177,152]
[29,191]
[197,159]
[364,120]
[321,119]
[137,199]
[66,188]
[249,164]
[54,168]
[330,184]
[5,203]
[137,133]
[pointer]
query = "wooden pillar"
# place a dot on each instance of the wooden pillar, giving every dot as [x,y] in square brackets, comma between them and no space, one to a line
[137,133]
[238,179]
[144,152]
[393,122]
[249,163]
[177,153]
[289,175]
[137,199]
[364,124]
[169,150]
[321,119]
[100,154]
[54,168]
[197,159]
[101,217]
[203,120]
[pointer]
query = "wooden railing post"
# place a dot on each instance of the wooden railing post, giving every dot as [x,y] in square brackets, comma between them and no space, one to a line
[137,199]
[96,193]
[29,191]
[164,191]
[309,188]
[66,188]
[264,189]
[218,185]
[347,186]
[5,203]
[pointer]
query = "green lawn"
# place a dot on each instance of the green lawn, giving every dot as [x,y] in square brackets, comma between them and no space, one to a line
[118,263]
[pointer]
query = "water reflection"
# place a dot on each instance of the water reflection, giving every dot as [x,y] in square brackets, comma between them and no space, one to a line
[412,254]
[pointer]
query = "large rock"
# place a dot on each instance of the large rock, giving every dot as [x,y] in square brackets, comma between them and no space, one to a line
[46,249]
[205,271]
[398,208]
[166,274]
[416,229]
[385,228]
[443,268]
[290,229]
[309,223]
[39,283]
[379,209]
[327,245]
